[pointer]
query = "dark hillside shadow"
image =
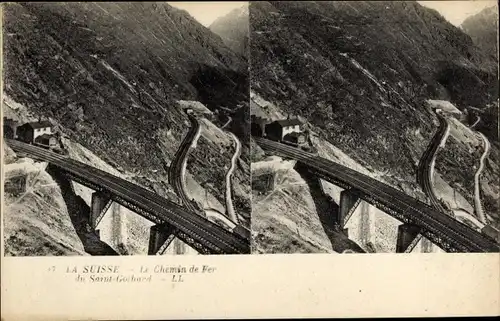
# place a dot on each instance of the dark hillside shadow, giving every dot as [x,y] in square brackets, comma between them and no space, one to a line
[464,83]
[225,91]
[327,211]
[79,213]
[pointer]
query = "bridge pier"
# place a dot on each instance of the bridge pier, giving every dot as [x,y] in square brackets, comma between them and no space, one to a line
[408,237]
[99,206]
[160,237]
[349,201]
[179,247]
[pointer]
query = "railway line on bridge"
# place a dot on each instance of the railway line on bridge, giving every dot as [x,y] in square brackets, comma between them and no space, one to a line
[195,230]
[443,230]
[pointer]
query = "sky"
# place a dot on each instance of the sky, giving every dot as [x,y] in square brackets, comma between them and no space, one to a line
[207,12]
[457,11]
[454,11]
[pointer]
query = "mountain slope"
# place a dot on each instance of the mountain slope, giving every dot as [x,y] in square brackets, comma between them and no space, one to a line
[359,72]
[110,75]
[41,224]
[233,28]
[483,29]
[110,72]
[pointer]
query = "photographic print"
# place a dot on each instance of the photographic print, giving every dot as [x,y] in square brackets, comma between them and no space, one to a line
[137,135]
[125,128]
[374,126]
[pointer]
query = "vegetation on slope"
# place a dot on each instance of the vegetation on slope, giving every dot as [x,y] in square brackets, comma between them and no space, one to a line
[359,72]
[109,73]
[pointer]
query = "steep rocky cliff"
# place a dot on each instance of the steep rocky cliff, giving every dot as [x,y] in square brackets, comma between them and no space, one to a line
[359,72]
[36,219]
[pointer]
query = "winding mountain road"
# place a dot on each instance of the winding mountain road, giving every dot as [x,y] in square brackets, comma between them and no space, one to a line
[476,122]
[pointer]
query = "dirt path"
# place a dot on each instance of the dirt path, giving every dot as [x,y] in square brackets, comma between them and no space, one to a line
[229,120]
[213,213]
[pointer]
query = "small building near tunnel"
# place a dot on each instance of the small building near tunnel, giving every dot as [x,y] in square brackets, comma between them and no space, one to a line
[278,129]
[30,131]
